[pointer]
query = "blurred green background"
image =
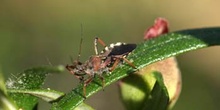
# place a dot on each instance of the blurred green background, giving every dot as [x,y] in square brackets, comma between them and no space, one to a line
[44,32]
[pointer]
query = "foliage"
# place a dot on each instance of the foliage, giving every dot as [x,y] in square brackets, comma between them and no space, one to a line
[23,89]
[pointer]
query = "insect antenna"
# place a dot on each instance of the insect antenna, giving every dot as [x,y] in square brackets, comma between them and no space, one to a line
[49,62]
[80,45]
[80,48]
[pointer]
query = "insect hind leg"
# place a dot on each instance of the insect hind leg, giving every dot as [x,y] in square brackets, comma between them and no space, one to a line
[121,57]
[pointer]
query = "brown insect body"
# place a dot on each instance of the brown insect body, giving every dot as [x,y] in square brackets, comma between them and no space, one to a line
[101,63]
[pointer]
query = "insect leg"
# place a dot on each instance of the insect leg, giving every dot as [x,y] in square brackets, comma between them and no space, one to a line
[125,59]
[78,76]
[103,81]
[86,82]
[115,64]
[95,44]
[129,63]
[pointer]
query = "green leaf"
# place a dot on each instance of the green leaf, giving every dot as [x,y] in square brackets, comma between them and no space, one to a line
[146,53]
[6,103]
[83,106]
[158,96]
[144,91]
[45,94]
[28,80]
[2,82]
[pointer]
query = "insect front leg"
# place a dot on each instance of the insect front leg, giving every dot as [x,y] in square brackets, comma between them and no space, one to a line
[77,75]
[70,69]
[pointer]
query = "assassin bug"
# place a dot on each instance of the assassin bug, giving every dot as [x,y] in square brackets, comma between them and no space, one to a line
[98,64]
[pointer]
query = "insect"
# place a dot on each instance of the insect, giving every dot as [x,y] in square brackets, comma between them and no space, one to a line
[103,62]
